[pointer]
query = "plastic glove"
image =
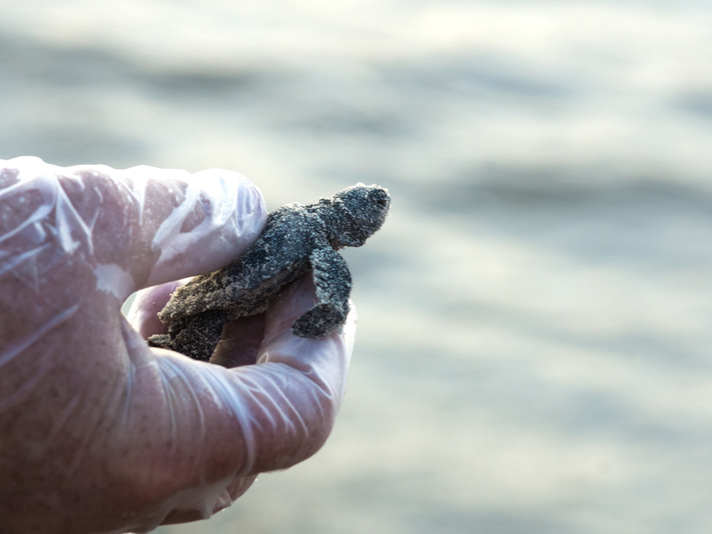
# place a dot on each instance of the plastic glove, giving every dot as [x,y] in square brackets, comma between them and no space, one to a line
[100,433]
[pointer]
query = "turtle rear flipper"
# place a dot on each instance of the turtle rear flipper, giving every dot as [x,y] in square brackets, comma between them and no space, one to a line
[196,338]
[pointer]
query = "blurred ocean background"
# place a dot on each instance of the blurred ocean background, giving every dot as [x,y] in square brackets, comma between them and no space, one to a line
[534,351]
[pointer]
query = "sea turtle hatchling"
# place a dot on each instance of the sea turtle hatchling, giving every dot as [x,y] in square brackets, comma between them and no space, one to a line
[296,239]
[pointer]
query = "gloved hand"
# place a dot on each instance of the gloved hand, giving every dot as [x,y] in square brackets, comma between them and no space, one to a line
[100,433]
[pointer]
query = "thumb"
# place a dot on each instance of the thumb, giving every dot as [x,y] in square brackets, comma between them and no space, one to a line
[211,217]
[126,229]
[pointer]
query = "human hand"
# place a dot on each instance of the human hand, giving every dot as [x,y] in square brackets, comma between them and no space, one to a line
[99,432]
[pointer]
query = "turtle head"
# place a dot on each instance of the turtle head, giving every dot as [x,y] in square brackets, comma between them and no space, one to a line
[358,212]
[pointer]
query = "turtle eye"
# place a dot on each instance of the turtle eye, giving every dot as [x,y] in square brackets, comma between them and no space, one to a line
[380,197]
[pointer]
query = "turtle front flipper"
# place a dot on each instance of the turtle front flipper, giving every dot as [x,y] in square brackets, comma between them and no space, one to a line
[333,287]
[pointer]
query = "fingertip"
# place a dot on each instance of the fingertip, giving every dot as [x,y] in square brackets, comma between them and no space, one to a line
[222,214]
[240,342]
[326,360]
[294,301]
[136,227]
[348,331]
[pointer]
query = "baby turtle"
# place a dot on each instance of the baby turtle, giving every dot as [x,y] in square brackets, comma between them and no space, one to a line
[296,239]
